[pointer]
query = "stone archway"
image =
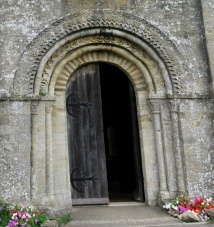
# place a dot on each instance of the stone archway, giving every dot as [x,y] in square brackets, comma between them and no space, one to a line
[153,65]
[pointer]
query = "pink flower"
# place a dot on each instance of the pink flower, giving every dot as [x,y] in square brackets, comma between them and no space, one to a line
[19,214]
[182,209]
[12,223]
[28,215]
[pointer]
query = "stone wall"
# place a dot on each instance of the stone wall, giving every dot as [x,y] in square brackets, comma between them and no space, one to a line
[196,118]
[188,24]
[15,145]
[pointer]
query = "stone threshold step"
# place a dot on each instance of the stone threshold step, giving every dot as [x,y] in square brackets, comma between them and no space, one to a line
[134,223]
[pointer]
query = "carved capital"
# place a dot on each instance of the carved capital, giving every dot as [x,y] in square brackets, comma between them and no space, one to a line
[154,105]
[173,105]
[48,108]
[34,107]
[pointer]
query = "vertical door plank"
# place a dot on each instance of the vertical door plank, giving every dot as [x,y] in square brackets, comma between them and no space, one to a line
[85,137]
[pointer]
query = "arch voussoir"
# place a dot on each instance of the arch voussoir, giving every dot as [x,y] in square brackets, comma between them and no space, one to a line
[102,51]
[131,67]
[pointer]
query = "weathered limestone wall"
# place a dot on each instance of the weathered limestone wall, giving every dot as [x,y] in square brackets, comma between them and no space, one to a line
[20,23]
[196,118]
[15,144]
[181,21]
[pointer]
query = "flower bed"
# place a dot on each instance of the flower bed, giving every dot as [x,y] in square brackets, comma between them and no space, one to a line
[199,206]
[20,216]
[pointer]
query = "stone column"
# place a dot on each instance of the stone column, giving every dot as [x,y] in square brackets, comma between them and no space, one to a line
[34,149]
[177,146]
[155,106]
[48,150]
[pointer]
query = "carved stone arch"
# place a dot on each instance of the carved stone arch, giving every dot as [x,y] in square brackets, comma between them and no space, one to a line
[136,71]
[58,84]
[156,76]
[58,31]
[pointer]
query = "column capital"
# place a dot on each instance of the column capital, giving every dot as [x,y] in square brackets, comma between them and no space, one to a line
[173,105]
[154,105]
[34,107]
[48,108]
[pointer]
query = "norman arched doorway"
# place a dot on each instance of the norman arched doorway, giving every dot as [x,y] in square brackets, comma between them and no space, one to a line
[103,138]
[151,62]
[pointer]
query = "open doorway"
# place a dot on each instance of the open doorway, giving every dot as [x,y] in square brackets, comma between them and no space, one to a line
[103,140]
[123,159]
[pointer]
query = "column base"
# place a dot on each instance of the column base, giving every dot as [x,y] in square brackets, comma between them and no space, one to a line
[166,197]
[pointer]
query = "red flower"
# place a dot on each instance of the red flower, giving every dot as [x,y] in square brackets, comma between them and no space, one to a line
[209,207]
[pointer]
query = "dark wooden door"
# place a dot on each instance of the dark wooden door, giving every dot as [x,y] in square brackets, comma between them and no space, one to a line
[85,137]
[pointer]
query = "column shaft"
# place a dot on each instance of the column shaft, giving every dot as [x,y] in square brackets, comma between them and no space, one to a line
[34,150]
[48,152]
[177,147]
[155,106]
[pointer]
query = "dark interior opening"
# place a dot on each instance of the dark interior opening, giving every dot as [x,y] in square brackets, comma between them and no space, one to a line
[124,171]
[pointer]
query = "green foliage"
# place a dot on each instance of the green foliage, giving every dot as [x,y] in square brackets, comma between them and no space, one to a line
[64,219]
[37,220]
[4,213]
[18,215]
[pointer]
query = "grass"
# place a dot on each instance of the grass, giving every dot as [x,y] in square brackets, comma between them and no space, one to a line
[63,220]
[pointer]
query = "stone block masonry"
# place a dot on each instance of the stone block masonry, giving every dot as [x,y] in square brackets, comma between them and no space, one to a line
[165,48]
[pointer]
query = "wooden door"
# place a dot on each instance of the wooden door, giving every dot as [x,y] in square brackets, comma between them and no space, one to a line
[85,137]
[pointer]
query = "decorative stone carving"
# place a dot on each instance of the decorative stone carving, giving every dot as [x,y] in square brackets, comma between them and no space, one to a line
[48,108]
[59,80]
[34,107]
[43,87]
[29,62]
[117,41]
[105,40]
